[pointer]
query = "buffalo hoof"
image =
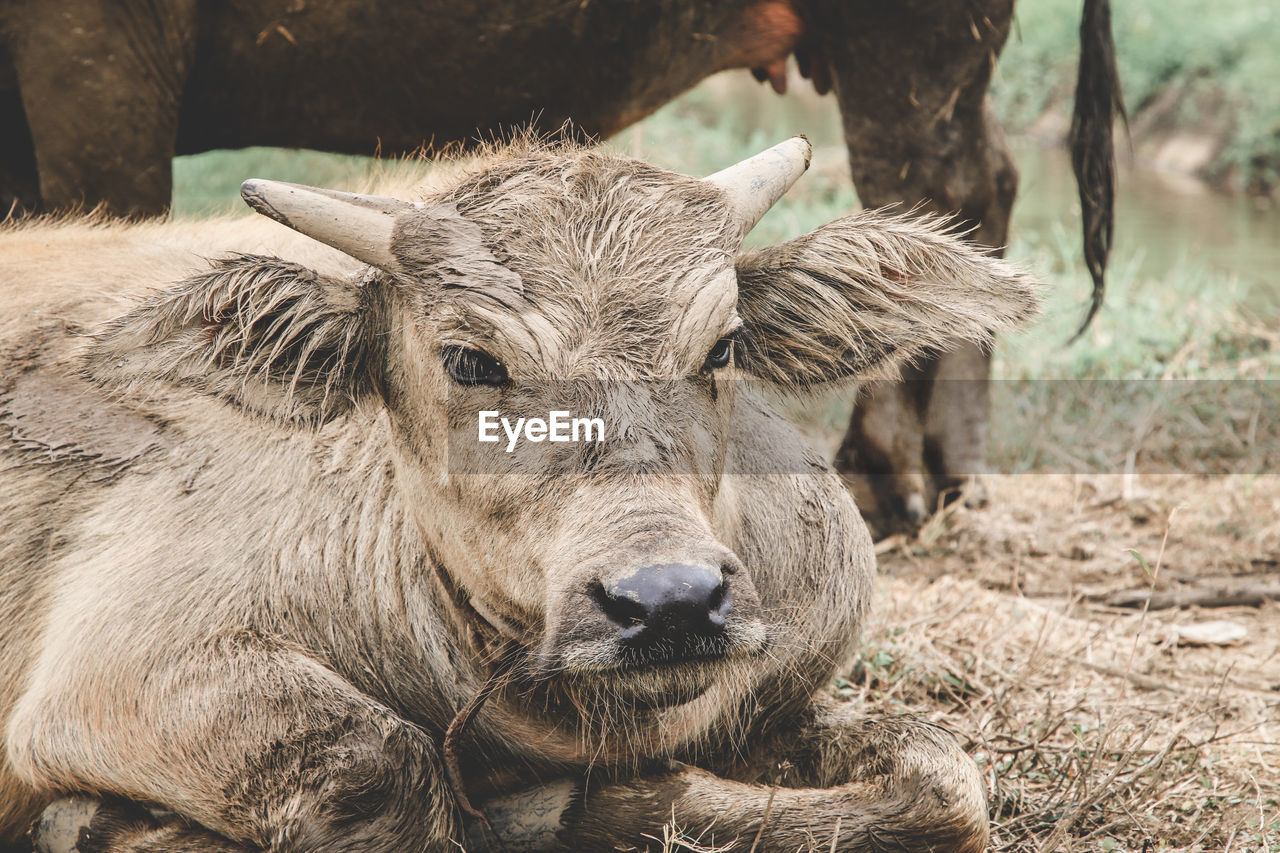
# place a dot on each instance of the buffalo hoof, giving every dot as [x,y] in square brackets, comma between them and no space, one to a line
[916,511]
[84,824]
[529,820]
[972,491]
[58,828]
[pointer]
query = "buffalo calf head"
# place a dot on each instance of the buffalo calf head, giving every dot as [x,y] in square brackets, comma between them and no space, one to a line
[581,282]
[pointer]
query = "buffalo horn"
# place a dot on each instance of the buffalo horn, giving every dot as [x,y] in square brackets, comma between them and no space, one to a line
[359,225]
[755,185]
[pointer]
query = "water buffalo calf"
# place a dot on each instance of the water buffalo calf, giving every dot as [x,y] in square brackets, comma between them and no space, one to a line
[262,588]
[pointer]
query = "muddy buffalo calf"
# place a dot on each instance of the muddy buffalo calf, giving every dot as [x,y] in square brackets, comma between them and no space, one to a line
[263,588]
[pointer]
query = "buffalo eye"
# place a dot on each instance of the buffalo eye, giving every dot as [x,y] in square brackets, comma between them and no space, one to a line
[720,354]
[473,366]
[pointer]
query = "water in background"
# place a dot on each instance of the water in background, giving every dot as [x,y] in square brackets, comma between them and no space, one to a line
[1163,222]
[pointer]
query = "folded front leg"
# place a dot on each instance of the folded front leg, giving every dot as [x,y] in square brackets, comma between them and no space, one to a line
[839,783]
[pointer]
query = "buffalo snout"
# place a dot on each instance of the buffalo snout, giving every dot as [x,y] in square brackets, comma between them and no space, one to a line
[671,606]
[672,610]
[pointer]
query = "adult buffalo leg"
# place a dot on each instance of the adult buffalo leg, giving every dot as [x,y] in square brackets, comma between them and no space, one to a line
[263,748]
[911,78]
[837,783]
[19,185]
[101,86]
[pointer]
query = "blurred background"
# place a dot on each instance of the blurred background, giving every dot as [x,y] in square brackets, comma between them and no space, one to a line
[1193,289]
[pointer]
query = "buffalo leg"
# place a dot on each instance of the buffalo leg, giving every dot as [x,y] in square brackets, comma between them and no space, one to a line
[19,185]
[911,79]
[261,746]
[101,86]
[839,783]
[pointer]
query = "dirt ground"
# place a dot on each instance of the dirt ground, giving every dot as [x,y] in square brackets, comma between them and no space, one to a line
[1030,627]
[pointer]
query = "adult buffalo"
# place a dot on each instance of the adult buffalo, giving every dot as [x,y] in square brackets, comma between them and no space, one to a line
[259,574]
[97,97]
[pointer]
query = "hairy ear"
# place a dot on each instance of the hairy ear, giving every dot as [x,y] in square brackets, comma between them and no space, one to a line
[861,295]
[270,336]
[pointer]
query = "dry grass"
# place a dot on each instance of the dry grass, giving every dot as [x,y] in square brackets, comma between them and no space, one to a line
[1095,728]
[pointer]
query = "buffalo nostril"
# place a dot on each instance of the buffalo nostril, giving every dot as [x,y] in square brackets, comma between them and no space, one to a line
[718,604]
[672,602]
[622,611]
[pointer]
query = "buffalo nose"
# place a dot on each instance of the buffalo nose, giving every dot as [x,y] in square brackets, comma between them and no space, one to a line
[667,602]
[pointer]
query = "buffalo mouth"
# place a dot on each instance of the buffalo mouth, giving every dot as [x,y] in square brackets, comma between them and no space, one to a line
[686,650]
[646,681]
[638,691]
[670,659]
[672,698]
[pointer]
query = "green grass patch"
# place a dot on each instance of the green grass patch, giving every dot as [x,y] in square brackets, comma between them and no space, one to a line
[209,184]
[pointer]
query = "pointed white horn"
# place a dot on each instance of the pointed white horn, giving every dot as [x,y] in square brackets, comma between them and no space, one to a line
[359,225]
[756,184]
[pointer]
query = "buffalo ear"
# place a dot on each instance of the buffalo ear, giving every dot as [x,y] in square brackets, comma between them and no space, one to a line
[859,296]
[272,337]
